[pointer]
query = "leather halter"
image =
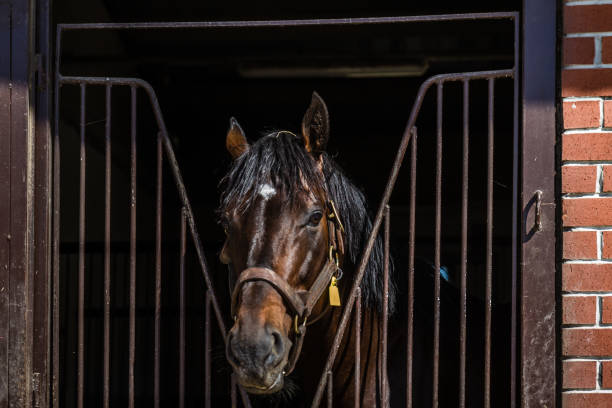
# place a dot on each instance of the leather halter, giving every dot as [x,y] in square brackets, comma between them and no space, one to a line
[301,302]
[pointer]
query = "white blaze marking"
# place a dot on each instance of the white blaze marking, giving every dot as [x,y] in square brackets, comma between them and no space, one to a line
[267,191]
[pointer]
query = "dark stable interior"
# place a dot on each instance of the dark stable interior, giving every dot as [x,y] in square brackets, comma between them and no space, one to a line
[368,75]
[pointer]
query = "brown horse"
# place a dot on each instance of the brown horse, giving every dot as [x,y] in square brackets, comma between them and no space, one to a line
[296,227]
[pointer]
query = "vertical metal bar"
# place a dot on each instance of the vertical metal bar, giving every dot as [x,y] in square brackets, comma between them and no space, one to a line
[81,278]
[107,235]
[207,351]
[515,197]
[489,250]
[330,386]
[158,238]
[438,226]
[464,237]
[56,229]
[411,236]
[233,396]
[132,340]
[182,310]
[246,402]
[357,312]
[385,316]
[244,397]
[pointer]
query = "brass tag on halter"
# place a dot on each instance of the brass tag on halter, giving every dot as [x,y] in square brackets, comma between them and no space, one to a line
[334,295]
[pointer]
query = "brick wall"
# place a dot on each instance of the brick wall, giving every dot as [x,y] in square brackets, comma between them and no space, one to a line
[586,185]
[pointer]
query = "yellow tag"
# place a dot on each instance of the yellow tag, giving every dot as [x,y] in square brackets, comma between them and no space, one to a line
[334,295]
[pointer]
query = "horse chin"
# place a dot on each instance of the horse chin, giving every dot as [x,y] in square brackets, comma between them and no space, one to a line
[258,388]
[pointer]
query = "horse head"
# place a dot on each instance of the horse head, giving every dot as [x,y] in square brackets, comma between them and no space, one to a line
[284,245]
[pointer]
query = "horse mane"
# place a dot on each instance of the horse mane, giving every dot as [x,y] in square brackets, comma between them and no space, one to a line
[281,159]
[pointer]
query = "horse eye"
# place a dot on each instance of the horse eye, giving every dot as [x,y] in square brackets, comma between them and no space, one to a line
[315,218]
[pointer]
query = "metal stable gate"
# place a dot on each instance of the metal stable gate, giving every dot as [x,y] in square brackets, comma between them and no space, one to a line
[188,230]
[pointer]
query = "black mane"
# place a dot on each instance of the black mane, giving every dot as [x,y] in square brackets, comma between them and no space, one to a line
[281,159]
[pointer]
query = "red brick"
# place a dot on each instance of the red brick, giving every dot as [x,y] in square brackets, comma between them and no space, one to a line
[586,342]
[579,50]
[607,179]
[578,179]
[586,278]
[607,113]
[606,250]
[606,374]
[579,374]
[587,19]
[606,50]
[585,212]
[587,146]
[587,82]
[580,114]
[606,309]
[579,245]
[582,400]
[579,309]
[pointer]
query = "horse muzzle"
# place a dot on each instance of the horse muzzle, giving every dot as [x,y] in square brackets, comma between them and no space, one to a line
[260,353]
[258,356]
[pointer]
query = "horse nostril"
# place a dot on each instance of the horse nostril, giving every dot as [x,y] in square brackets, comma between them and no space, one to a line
[277,348]
[278,345]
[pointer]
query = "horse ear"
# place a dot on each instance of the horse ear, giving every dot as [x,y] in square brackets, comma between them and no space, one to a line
[235,141]
[315,125]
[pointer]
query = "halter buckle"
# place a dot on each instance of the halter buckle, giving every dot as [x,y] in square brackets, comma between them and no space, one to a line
[296,325]
[333,215]
[333,256]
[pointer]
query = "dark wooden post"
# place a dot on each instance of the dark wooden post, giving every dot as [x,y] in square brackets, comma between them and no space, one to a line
[24,204]
[538,227]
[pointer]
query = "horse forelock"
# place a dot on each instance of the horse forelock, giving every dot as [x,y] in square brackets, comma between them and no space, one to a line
[277,161]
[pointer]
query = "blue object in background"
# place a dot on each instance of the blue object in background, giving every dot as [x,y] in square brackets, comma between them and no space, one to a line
[444,273]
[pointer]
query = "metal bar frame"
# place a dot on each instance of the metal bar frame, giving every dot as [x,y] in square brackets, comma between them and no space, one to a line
[489,248]
[437,80]
[437,241]
[409,131]
[187,216]
[411,245]
[292,23]
[81,273]
[158,268]
[107,250]
[133,195]
[464,238]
